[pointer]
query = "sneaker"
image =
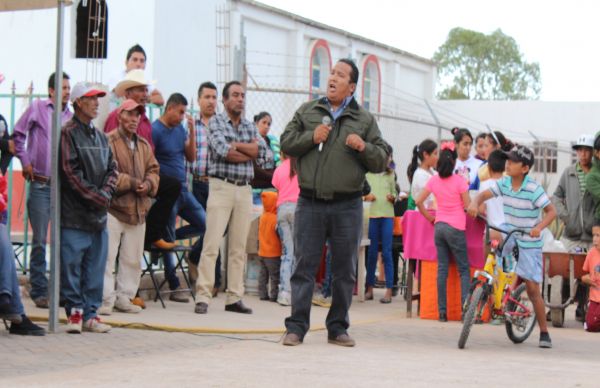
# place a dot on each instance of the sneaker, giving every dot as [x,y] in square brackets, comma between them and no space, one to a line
[94,325]
[284,298]
[75,321]
[201,308]
[105,309]
[26,327]
[320,300]
[125,306]
[545,341]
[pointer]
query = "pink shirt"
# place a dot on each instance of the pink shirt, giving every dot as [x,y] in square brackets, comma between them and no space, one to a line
[448,195]
[288,189]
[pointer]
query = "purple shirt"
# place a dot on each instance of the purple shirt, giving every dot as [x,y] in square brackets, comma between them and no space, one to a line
[35,126]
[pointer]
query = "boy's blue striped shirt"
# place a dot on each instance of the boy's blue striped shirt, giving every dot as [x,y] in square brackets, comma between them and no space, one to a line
[522,208]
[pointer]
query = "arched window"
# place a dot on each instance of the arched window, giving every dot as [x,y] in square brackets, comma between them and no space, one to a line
[320,67]
[371,84]
[91,32]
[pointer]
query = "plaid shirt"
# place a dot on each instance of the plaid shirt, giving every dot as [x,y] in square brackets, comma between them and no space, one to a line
[200,166]
[221,134]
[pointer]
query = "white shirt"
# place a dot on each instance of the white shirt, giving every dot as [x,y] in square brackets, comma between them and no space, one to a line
[420,178]
[468,168]
[494,206]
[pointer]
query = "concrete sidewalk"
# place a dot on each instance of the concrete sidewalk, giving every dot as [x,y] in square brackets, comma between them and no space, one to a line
[392,352]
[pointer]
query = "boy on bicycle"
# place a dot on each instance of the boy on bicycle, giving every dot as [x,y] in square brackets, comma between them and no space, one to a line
[523,200]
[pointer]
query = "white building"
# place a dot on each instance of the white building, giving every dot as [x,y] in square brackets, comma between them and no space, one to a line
[284,58]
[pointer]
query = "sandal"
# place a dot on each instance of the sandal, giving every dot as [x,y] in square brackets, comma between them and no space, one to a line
[385,300]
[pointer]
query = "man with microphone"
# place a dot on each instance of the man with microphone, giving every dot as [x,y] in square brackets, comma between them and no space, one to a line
[336,142]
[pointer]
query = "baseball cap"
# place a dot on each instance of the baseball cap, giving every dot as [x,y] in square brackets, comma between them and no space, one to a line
[584,140]
[521,154]
[85,89]
[130,105]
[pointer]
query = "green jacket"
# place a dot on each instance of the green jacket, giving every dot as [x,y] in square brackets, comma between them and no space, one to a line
[337,169]
[592,185]
[576,211]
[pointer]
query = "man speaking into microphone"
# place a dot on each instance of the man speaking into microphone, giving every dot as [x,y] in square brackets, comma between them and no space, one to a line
[335,142]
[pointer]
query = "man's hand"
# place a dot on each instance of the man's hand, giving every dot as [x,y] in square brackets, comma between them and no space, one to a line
[390,198]
[11,147]
[355,142]
[321,134]
[190,123]
[27,172]
[472,209]
[143,189]
[369,198]
[535,232]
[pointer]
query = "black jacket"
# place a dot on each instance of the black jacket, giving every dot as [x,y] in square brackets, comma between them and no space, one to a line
[88,176]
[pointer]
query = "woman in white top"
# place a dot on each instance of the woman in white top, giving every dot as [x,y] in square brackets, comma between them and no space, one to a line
[421,168]
[466,164]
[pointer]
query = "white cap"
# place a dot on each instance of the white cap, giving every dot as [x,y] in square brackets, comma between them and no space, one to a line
[85,89]
[584,140]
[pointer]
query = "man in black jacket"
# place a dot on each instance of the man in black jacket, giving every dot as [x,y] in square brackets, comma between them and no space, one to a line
[88,175]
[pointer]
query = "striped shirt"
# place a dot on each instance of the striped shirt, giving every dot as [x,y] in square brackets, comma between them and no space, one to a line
[221,133]
[200,165]
[581,177]
[522,208]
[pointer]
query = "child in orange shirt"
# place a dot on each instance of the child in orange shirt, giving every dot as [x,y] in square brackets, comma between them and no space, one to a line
[269,248]
[592,279]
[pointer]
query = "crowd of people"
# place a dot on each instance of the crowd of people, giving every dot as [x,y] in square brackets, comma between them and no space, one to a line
[124,186]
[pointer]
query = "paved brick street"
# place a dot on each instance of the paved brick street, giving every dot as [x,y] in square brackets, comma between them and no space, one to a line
[391,352]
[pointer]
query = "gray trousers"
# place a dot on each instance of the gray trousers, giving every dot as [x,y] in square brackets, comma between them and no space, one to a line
[269,269]
[449,240]
[315,222]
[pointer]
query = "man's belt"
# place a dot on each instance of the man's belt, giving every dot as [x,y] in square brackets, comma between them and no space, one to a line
[200,178]
[337,197]
[232,181]
[41,179]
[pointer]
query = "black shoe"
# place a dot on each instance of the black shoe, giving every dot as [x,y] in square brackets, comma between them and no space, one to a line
[26,327]
[443,317]
[264,298]
[201,308]
[42,302]
[545,341]
[238,307]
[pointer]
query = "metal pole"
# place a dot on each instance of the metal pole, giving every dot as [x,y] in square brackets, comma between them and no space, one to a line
[437,121]
[55,186]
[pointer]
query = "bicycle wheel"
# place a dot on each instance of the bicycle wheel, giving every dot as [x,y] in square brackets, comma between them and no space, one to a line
[519,328]
[476,302]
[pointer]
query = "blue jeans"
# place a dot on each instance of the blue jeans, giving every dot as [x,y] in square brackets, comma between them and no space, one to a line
[314,223]
[327,278]
[38,207]
[449,240]
[9,284]
[82,264]
[189,209]
[285,228]
[380,229]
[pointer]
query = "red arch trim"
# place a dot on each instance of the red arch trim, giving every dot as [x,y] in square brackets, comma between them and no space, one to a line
[372,58]
[319,43]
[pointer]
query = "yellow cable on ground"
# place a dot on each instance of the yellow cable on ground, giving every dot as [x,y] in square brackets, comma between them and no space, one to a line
[209,330]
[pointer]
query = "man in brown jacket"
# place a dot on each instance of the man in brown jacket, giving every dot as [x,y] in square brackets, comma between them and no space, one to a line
[137,183]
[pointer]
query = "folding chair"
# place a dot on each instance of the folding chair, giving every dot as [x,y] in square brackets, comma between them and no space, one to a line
[151,258]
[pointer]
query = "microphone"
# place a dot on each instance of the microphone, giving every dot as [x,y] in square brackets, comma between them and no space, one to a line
[326,121]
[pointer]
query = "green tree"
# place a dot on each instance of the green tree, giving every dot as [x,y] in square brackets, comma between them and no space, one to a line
[476,66]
